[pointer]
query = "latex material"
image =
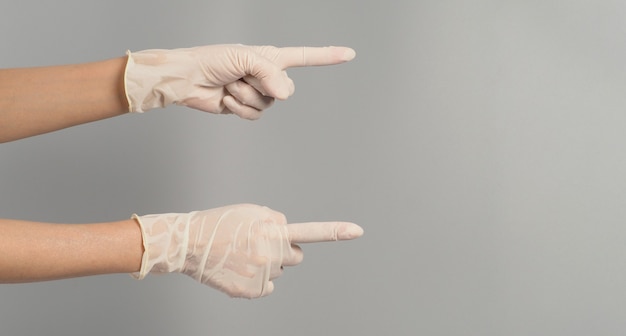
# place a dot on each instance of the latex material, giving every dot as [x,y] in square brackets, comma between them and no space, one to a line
[219,78]
[236,249]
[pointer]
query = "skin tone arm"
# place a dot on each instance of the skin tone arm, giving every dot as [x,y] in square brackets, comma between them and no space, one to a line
[39,100]
[32,251]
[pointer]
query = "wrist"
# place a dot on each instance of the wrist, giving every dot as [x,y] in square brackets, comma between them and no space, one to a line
[164,240]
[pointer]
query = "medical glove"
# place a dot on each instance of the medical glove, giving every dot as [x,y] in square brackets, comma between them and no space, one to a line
[238,79]
[237,249]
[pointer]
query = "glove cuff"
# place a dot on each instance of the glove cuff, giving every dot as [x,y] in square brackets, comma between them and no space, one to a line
[143,82]
[144,269]
[129,64]
[165,238]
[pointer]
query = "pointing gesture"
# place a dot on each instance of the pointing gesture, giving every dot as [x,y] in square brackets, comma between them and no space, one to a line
[238,79]
[317,232]
[290,57]
[238,249]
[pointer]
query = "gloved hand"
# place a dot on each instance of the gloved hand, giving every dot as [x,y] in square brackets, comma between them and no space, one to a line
[238,79]
[237,249]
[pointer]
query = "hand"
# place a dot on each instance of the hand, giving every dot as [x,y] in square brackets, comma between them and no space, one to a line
[238,79]
[237,249]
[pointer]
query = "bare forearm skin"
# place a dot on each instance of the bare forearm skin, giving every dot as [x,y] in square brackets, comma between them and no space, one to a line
[44,99]
[33,251]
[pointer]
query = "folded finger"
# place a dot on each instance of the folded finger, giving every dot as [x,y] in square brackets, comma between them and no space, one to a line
[246,94]
[267,289]
[278,85]
[294,257]
[243,111]
[276,273]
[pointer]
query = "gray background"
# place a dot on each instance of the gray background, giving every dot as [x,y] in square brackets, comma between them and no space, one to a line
[481,144]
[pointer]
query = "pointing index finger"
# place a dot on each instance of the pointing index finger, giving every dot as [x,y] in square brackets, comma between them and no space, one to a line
[313,56]
[315,232]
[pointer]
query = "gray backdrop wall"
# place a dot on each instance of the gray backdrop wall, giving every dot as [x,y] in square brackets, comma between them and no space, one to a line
[481,144]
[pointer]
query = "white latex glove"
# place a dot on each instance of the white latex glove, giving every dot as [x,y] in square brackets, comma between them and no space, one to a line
[238,79]
[237,249]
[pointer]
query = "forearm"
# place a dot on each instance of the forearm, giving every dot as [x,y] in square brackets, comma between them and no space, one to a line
[31,251]
[40,100]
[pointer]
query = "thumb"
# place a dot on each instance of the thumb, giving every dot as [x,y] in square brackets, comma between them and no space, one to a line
[267,77]
[315,232]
